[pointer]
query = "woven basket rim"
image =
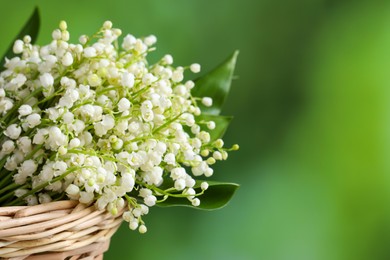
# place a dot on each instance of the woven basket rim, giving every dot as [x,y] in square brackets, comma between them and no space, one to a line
[55,230]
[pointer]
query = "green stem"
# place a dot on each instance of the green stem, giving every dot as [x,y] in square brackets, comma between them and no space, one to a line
[166,123]
[3,161]
[32,153]
[139,92]
[165,193]
[131,200]
[11,194]
[50,97]
[5,181]
[6,197]
[105,90]
[23,101]
[42,186]
[9,187]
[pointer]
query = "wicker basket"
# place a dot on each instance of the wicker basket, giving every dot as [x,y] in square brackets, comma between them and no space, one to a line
[56,230]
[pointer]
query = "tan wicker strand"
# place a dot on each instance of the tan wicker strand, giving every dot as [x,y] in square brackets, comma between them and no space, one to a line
[34,250]
[84,232]
[40,235]
[102,236]
[6,211]
[48,207]
[101,221]
[112,225]
[7,250]
[5,243]
[94,250]
[38,227]
[79,207]
[89,223]
[87,241]
[42,241]
[16,258]
[56,231]
[18,222]
[70,221]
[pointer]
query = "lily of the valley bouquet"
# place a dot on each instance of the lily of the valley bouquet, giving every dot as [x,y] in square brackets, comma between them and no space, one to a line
[95,122]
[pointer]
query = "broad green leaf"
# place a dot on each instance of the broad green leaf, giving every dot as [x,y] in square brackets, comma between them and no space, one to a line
[216,84]
[221,125]
[215,197]
[30,28]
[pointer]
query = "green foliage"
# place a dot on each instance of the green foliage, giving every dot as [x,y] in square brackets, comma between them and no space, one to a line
[215,197]
[30,28]
[216,84]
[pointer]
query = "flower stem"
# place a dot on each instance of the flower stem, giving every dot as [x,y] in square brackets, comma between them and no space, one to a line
[42,186]
[9,187]
[21,102]
[166,123]
[5,181]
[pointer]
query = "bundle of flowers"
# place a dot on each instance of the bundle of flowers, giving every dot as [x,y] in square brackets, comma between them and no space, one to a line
[93,121]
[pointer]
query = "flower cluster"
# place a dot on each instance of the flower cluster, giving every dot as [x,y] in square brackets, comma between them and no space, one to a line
[95,122]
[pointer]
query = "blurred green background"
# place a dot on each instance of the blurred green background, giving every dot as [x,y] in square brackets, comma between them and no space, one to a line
[312,117]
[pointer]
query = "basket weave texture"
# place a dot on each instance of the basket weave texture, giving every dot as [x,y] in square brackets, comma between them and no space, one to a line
[56,230]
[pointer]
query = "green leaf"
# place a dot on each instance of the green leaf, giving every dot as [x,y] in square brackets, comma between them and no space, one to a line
[216,84]
[215,197]
[30,28]
[221,125]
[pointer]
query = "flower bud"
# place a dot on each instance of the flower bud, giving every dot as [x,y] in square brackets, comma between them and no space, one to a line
[195,68]
[18,46]
[25,110]
[142,229]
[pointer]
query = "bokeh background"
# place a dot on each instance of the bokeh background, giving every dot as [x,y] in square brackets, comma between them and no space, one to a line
[312,117]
